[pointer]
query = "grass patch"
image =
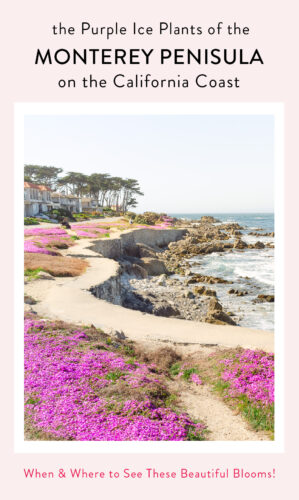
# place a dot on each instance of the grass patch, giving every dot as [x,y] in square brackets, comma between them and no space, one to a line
[187,372]
[175,369]
[32,273]
[196,436]
[114,376]
[259,418]
[171,400]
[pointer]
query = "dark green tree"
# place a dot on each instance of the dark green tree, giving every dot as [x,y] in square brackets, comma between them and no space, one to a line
[41,174]
[75,182]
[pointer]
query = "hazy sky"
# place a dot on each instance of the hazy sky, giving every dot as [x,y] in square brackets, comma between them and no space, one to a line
[184,163]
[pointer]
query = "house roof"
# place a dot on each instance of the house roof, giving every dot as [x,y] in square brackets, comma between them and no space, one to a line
[40,187]
[61,195]
[30,185]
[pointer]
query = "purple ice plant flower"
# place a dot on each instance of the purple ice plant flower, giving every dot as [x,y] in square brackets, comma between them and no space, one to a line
[250,373]
[32,247]
[195,379]
[64,383]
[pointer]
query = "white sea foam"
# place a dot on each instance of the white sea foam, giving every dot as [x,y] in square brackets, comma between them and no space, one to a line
[251,271]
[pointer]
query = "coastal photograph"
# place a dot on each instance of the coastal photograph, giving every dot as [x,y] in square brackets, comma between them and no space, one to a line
[149,277]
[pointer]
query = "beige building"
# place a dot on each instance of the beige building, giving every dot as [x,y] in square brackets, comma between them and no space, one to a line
[89,205]
[67,201]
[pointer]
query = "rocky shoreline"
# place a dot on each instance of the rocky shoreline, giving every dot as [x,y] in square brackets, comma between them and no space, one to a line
[161,281]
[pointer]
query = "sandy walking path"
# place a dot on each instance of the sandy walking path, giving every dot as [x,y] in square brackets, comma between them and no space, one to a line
[70,300]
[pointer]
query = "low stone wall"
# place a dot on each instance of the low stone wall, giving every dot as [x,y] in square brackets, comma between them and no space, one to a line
[113,248]
[108,248]
[152,237]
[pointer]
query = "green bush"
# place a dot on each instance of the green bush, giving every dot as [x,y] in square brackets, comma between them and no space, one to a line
[28,221]
[81,216]
[62,212]
[149,218]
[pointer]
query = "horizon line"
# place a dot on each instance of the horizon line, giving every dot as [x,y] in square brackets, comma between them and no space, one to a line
[210,212]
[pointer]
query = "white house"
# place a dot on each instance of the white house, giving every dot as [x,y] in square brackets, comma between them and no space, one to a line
[89,205]
[37,199]
[40,199]
[68,201]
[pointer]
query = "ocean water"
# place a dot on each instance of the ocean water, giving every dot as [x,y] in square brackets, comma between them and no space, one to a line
[250,270]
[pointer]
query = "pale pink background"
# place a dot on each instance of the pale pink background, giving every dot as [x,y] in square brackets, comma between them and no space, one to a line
[26,26]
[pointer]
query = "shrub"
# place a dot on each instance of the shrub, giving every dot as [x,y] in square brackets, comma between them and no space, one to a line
[30,221]
[149,218]
[62,212]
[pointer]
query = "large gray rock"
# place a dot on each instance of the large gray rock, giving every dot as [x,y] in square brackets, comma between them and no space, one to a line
[240,244]
[154,267]
[214,305]
[146,251]
[166,310]
[219,318]
[139,271]
[118,334]
[259,244]
[45,276]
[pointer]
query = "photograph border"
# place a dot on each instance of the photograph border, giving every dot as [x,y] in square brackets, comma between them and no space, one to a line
[193,108]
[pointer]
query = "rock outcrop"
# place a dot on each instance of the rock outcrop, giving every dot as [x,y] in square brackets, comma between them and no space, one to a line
[265,298]
[153,266]
[217,315]
[209,218]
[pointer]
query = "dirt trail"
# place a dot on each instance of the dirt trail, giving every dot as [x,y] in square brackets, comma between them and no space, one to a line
[201,403]
[223,423]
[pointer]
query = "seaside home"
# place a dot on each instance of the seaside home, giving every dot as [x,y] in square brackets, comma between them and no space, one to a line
[37,199]
[67,201]
[90,205]
[75,203]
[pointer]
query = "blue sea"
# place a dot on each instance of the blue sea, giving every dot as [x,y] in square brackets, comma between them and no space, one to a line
[250,270]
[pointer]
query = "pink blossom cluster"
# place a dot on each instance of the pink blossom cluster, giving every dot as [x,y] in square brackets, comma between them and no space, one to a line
[31,247]
[65,385]
[195,379]
[110,224]
[189,374]
[251,373]
[86,234]
[43,231]
[158,226]
[89,230]
[43,240]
